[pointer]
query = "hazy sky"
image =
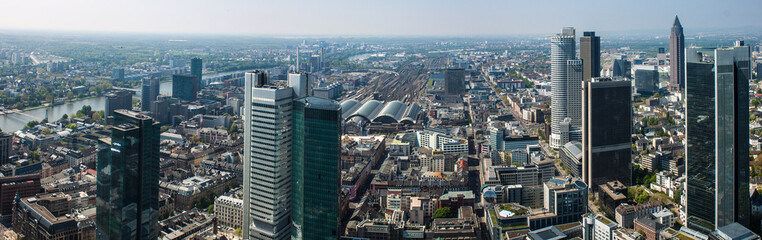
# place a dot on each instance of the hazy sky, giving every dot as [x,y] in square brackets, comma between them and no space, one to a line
[378,17]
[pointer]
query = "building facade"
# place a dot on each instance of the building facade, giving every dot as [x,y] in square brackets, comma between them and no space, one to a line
[196,70]
[119,99]
[590,53]
[229,210]
[150,90]
[562,49]
[676,57]
[6,147]
[607,128]
[127,199]
[267,158]
[455,81]
[49,217]
[185,87]
[316,169]
[717,136]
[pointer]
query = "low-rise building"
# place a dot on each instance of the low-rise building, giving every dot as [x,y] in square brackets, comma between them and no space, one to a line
[650,227]
[49,216]
[185,225]
[228,209]
[465,226]
[626,214]
[598,227]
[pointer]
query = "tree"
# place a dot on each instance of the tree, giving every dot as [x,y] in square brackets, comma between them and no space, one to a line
[237,232]
[97,116]
[46,131]
[65,116]
[233,129]
[676,196]
[442,213]
[70,95]
[34,155]
[86,110]
[652,121]
[72,126]
[210,209]
[31,124]
[164,128]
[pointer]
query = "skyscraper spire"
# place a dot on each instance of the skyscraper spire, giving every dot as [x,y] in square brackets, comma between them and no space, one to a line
[677,22]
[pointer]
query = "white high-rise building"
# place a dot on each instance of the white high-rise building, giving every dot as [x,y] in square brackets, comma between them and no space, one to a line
[301,84]
[574,93]
[562,49]
[267,158]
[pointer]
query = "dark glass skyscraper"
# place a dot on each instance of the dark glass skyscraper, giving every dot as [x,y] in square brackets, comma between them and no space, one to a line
[621,67]
[149,93]
[316,170]
[455,81]
[606,131]
[590,53]
[184,87]
[127,200]
[676,57]
[717,136]
[196,71]
[119,99]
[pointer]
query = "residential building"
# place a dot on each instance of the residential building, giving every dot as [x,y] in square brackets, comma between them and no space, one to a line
[50,216]
[626,214]
[650,226]
[228,209]
[20,185]
[465,226]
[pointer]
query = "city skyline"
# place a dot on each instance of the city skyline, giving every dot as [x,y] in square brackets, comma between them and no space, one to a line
[420,18]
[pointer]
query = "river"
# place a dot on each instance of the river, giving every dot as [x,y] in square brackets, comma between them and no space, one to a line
[14,122]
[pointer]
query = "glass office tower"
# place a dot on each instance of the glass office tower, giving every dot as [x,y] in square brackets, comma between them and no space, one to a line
[316,171]
[185,87]
[717,134]
[196,71]
[606,132]
[127,200]
[590,53]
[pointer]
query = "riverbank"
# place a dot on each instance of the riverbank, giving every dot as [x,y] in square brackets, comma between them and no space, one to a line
[48,104]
